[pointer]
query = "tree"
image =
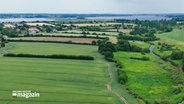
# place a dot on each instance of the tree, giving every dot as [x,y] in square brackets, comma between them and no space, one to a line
[117,27]
[93,42]
[48,29]
[123,45]
[108,55]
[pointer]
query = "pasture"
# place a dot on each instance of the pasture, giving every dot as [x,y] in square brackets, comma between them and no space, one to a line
[149,79]
[176,37]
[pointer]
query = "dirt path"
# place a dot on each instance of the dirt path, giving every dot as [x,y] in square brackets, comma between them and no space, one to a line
[109,85]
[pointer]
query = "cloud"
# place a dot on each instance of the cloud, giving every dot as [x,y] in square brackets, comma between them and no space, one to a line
[92,6]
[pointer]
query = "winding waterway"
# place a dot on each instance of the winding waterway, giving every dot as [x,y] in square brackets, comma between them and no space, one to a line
[151,51]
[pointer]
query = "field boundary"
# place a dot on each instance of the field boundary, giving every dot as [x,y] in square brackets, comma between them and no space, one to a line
[109,84]
[66,42]
[80,57]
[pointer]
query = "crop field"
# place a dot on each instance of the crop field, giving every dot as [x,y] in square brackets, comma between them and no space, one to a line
[58,81]
[148,79]
[95,24]
[175,37]
[57,39]
[50,48]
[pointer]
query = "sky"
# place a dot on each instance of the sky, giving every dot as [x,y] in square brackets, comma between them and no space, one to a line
[92,6]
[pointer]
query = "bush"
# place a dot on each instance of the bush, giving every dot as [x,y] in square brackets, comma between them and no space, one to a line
[2,44]
[108,54]
[177,89]
[119,64]
[94,42]
[177,55]
[122,76]
[144,58]
[135,48]
[162,102]
[50,56]
[145,50]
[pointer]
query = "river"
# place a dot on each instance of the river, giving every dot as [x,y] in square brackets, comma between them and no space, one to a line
[151,51]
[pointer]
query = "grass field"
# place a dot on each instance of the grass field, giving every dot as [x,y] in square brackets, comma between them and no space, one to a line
[148,79]
[140,44]
[50,48]
[58,81]
[175,37]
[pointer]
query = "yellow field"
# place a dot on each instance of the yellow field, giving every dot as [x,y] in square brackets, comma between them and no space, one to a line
[95,24]
[39,24]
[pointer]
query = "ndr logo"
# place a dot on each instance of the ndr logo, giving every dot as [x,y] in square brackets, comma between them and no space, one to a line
[25,94]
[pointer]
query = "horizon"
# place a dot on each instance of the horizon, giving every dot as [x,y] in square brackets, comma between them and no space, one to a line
[99,13]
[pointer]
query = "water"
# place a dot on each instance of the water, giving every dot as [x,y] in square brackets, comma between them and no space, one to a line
[151,51]
[24,19]
[139,17]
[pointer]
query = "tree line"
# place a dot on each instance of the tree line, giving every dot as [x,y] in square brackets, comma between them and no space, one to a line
[60,56]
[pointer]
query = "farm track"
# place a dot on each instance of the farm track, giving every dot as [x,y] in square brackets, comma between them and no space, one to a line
[109,85]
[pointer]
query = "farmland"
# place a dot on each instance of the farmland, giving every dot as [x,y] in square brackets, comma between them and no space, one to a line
[57,80]
[122,70]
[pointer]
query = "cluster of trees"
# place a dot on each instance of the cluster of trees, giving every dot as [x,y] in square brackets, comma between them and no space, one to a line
[165,47]
[138,38]
[106,48]
[124,45]
[177,55]
[158,25]
[50,56]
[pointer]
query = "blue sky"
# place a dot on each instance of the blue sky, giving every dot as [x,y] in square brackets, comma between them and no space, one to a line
[92,6]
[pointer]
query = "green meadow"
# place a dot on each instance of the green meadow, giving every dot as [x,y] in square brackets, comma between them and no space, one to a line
[50,48]
[151,79]
[176,37]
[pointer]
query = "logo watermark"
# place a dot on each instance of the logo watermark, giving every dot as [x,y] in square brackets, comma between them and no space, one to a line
[25,94]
